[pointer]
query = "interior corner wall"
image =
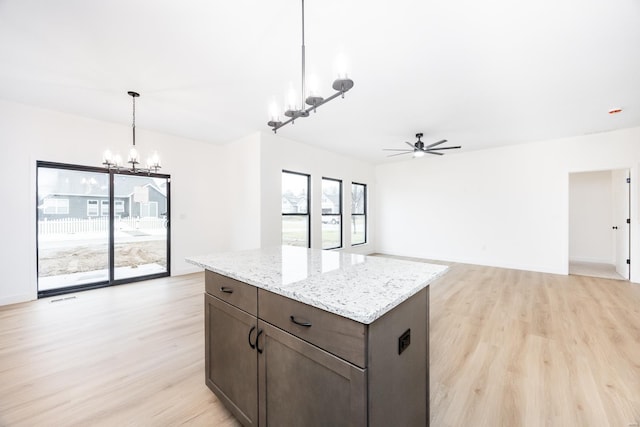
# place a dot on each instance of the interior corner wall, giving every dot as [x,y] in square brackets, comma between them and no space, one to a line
[29,134]
[505,207]
[591,217]
[277,154]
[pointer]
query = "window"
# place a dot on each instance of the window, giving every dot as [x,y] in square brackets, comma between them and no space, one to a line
[56,207]
[358,213]
[331,213]
[295,209]
[149,210]
[119,204]
[104,207]
[92,208]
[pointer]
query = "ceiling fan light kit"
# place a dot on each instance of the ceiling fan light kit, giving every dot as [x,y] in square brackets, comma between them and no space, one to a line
[111,161]
[341,85]
[419,149]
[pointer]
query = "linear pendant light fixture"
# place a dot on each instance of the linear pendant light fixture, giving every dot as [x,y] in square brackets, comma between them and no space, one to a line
[341,85]
[111,161]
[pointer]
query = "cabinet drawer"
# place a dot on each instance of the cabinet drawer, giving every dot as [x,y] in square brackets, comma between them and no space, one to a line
[338,335]
[236,293]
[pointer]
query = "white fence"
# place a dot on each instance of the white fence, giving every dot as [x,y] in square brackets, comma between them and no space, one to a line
[96,225]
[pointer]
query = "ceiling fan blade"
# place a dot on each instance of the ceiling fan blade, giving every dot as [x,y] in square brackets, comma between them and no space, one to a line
[395,149]
[436,143]
[445,148]
[400,154]
[410,144]
[434,152]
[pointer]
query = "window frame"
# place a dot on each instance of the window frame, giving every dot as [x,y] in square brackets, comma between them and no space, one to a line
[118,206]
[53,206]
[364,214]
[339,214]
[103,211]
[97,207]
[308,214]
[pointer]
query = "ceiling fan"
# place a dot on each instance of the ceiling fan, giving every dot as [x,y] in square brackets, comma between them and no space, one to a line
[418,148]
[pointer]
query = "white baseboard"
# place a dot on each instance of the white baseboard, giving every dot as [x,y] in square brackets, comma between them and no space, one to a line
[15,299]
[592,260]
[187,270]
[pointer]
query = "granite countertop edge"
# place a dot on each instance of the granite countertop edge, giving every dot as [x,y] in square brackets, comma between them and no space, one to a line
[289,290]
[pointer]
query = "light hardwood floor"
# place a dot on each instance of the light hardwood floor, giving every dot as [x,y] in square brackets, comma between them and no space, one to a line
[508,348]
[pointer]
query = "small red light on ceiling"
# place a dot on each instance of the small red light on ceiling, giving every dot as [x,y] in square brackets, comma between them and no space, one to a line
[615,111]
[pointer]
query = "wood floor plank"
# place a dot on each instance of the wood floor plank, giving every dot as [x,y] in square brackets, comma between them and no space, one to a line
[127,355]
[553,350]
[508,348]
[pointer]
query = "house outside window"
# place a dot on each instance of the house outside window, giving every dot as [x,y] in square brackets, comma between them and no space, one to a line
[358,213]
[331,213]
[295,209]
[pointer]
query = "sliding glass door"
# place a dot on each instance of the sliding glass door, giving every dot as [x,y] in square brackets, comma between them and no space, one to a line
[140,220]
[73,235]
[98,228]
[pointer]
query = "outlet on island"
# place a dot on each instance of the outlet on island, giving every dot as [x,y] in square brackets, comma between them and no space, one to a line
[404,341]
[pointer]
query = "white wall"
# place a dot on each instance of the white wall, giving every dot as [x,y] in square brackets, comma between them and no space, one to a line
[29,134]
[278,153]
[506,207]
[591,217]
[239,198]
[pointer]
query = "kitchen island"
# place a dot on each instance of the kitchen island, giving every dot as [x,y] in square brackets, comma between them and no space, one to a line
[308,337]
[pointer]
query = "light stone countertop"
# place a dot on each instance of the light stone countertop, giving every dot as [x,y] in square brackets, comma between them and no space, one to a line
[358,287]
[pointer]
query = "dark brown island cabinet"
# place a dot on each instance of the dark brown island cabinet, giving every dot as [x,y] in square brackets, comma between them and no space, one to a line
[274,361]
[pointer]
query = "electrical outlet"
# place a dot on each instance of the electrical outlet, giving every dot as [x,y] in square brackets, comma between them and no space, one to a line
[404,341]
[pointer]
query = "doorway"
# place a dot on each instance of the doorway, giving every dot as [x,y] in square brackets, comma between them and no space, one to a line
[599,224]
[99,228]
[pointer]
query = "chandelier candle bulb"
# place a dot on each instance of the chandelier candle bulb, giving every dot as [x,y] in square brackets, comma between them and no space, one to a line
[153,162]
[341,67]
[312,84]
[107,158]
[292,98]
[133,155]
[274,113]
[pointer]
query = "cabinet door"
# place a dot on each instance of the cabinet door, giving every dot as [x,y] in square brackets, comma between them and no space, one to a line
[231,364]
[302,385]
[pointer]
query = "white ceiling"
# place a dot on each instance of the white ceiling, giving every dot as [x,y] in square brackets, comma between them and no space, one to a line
[480,74]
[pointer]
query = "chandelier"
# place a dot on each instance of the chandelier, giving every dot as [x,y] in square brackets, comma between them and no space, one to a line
[341,85]
[111,161]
